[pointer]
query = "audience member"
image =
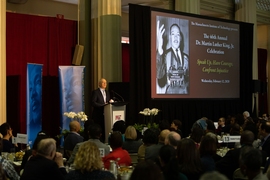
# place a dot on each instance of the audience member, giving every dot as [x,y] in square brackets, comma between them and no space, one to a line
[169,163]
[208,149]
[189,159]
[118,154]
[47,164]
[210,126]
[201,123]
[164,124]
[32,152]
[6,132]
[196,135]
[150,137]
[173,138]
[152,152]
[94,132]
[250,162]
[214,175]
[89,165]
[120,126]
[146,170]
[131,143]
[8,169]
[176,126]
[222,127]
[264,132]
[72,138]
[86,125]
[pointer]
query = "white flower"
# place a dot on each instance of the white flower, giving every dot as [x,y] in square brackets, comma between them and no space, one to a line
[149,112]
[80,115]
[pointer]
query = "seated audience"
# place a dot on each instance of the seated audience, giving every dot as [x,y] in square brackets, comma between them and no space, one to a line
[173,138]
[146,170]
[6,132]
[47,164]
[250,162]
[94,131]
[131,143]
[208,149]
[189,159]
[7,169]
[176,126]
[230,162]
[72,138]
[150,137]
[201,123]
[210,126]
[152,152]
[88,165]
[32,152]
[169,163]
[118,154]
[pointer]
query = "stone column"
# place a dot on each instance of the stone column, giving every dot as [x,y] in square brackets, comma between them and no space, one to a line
[106,54]
[188,6]
[3,103]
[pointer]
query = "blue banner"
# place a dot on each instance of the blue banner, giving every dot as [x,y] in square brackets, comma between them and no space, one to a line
[34,101]
[71,79]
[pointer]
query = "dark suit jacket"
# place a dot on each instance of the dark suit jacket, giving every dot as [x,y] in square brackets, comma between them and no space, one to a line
[152,152]
[266,146]
[98,104]
[41,168]
[70,142]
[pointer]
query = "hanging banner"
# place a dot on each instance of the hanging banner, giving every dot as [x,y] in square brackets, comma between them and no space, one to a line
[71,79]
[33,101]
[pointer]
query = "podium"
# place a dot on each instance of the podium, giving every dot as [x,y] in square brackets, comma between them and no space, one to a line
[112,113]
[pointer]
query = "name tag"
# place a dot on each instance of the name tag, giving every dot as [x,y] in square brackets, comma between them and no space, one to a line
[227,139]
[102,152]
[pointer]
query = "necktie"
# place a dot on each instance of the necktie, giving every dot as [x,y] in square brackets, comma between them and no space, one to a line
[104,95]
[179,61]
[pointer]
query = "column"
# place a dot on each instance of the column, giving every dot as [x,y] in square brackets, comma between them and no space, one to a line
[3,116]
[188,6]
[245,10]
[106,56]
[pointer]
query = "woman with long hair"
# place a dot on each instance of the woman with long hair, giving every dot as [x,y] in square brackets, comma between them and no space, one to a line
[88,164]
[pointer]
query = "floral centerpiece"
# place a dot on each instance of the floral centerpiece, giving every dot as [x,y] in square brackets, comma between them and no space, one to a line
[149,115]
[81,117]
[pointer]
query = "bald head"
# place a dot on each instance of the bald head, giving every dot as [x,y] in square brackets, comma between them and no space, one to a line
[163,134]
[74,126]
[247,138]
[173,138]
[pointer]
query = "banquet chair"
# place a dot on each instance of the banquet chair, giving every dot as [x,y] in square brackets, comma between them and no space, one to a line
[134,158]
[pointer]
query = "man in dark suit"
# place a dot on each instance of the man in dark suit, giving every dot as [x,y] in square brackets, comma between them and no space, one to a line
[100,97]
[264,132]
[72,138]
[47,164]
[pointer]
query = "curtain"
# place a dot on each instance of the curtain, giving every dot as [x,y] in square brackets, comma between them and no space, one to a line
[43,40]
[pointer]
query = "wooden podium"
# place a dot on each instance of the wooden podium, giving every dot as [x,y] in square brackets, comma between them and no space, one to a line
[112,113]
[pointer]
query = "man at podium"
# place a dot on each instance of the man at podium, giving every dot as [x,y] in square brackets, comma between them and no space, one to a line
[100,97]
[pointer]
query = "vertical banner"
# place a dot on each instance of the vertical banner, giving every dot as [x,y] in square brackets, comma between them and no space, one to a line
[34,101]
[71,79]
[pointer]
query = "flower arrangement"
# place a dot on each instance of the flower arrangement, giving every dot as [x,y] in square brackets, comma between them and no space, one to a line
[80,115]
[148,119]
[149,112]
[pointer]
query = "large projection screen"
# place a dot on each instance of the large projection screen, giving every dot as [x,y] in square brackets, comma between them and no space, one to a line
[193,57]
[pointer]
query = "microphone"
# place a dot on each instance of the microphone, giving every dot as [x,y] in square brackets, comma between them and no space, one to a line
[118,95]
